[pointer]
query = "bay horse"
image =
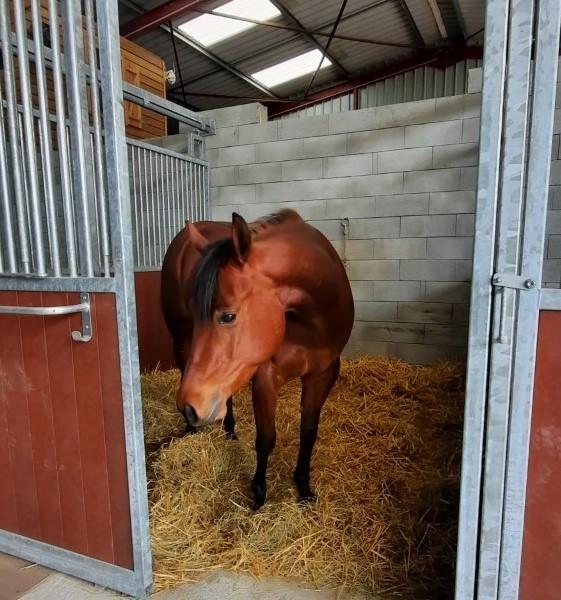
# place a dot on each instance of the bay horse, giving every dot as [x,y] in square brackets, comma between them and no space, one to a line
[267,302]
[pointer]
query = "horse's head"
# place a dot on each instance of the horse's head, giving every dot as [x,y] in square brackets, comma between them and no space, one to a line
[239,323]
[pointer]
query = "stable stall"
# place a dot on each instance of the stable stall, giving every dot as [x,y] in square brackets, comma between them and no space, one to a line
[441,195]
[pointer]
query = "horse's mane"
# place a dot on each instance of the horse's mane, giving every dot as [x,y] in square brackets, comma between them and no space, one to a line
[273,219]
[216,256]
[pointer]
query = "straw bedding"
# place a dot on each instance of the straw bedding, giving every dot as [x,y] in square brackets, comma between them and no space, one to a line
[385,467]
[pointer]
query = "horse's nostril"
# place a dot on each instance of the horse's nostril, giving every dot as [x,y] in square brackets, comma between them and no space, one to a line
[190,415]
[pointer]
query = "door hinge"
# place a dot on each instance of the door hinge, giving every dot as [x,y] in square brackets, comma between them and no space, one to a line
[515,282]
[509,281]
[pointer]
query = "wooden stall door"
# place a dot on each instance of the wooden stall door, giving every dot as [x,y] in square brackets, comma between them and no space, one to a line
[63,467]
[541,556]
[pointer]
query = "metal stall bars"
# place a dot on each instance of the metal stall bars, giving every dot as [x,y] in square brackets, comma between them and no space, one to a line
[71,442]
[168,188]
[521,48]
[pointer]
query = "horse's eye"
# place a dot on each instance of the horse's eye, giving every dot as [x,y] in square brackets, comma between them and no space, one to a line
[227,318]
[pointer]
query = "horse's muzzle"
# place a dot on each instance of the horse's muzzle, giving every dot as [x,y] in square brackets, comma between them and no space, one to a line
[190,415]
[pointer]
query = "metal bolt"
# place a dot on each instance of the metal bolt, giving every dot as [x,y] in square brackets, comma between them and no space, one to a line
[529,284]
[498,279]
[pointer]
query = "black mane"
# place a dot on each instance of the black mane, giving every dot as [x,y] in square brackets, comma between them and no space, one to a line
[218,254]
[205,283]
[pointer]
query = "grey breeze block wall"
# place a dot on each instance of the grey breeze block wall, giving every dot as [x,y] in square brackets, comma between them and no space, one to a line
[405,175]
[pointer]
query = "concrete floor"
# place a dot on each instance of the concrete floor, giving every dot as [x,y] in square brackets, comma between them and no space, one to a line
[18,577]
[20,580]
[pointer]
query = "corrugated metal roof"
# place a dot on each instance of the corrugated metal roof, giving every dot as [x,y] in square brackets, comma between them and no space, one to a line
[473,15]
[423,83]
[425,21]
[261,47]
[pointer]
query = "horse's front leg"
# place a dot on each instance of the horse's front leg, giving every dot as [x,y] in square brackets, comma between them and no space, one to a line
[264,396]
[229,421]
[315,389]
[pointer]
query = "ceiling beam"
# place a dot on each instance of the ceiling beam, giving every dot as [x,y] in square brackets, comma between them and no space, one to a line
[326,49]
[411,22]
[437,57]
[178,93]
[460,18]
[308,36]
[161,14]
[435,9]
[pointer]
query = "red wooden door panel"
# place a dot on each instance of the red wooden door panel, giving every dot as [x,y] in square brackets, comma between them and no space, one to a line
[155,347]
[62,444]
[541,555]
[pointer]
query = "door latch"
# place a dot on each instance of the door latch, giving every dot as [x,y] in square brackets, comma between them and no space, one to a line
[509,281]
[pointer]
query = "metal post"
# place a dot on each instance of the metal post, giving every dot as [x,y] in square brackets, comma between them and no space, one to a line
[481,296]
[167,201]
[98,142]
[6,210]
[174,198]
[149,220]
[513,141]
[192,216]
[45,137]
[135,210]
[143,216]
[155,215]
[64,162]
[161,238]
[29,141]
[184,214]
[207,214]
[94,193]
[15,143]
[121,238]
[79,129]
[199,192]
[543,91]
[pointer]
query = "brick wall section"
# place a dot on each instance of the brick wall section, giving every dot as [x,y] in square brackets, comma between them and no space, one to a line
[405,176]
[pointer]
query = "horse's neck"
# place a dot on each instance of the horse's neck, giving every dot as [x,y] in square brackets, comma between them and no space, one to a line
[301,278]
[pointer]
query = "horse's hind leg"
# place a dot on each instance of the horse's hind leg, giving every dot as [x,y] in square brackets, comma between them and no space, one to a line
[229,421]
[315,389]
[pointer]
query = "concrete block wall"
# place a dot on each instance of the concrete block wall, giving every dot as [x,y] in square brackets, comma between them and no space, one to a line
[405,176]
[552,262]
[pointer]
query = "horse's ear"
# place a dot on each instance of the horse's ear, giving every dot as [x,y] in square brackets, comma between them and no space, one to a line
[197,238]
[241,236]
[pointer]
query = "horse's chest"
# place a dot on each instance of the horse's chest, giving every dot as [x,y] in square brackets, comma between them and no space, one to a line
[292,361]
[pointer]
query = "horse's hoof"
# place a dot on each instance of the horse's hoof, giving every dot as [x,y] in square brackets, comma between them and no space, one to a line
[305,492]
[231,435]
[307,498]
[259,495]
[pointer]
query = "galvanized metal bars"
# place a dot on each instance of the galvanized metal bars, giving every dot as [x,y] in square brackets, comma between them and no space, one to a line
[53,211]
[167,188]
[522,40]
[547,18]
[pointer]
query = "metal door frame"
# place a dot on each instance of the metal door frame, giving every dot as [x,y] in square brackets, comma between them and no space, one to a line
[518,104]
[137,581]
